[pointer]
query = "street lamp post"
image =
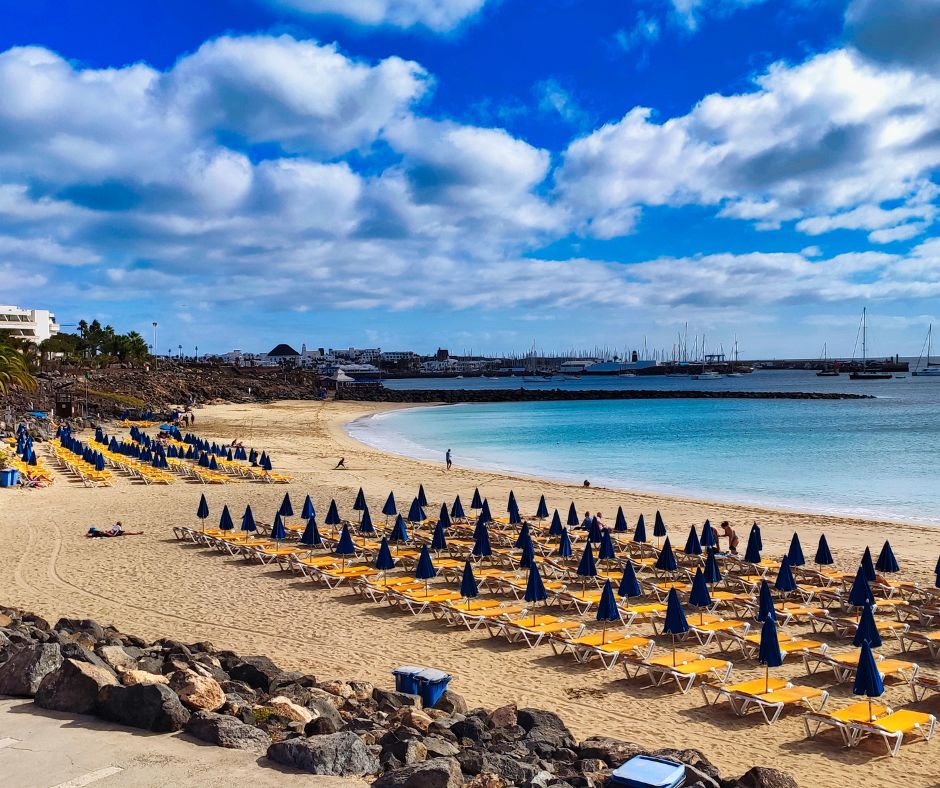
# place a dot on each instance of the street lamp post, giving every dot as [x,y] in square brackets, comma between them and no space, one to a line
[181,352]
[197,354]
[155,344]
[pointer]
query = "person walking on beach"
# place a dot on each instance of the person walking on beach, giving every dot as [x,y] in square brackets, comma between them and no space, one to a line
[729,534]
[447,459]
[341,465]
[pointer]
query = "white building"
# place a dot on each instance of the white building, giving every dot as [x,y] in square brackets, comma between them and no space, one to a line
[32,324]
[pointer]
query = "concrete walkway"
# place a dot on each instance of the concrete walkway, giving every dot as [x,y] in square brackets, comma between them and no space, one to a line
[45,749]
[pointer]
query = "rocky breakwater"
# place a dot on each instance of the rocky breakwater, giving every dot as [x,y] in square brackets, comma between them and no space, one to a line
[325,727]
[457,396]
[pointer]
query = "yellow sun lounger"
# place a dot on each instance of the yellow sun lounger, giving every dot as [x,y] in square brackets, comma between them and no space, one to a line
[608,648]
[683,667]
[474,619]
[522,630]
[842,719]
[751,687]
[771,704]
[893,727]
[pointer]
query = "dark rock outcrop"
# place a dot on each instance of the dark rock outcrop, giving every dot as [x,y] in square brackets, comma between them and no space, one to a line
[338,754]
[152,707]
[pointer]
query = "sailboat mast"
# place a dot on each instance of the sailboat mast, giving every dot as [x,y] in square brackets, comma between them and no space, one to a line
[864,335]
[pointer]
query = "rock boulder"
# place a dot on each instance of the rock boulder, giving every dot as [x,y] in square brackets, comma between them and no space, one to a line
[73,687]
[152,707]
[27,666]
[338,754]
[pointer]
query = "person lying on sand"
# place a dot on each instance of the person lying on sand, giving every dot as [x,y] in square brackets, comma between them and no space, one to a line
[115,530]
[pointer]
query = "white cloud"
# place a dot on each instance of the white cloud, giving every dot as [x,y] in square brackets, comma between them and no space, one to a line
[689,13]
[555,99]
[826,142]
[437,15]
[644,32]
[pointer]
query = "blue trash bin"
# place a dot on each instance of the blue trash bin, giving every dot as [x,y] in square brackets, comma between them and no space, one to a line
[9,477]
[432,684]
[641,771]
[406,679]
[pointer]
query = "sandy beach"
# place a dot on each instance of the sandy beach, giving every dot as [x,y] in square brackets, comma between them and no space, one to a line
[153,585]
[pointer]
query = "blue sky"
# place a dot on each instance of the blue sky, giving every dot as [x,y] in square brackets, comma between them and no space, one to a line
[475,174]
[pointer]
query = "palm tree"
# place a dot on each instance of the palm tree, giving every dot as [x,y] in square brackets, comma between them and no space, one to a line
[14,369]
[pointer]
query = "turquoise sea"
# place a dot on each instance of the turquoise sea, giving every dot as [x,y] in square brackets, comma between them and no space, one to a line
[876,458]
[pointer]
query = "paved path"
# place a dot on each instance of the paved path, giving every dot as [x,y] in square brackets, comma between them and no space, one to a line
[44,749]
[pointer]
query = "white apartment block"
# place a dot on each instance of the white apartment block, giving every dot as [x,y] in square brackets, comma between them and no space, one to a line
[32,324]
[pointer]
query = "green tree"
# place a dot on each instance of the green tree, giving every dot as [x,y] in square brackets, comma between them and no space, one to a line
[14,369]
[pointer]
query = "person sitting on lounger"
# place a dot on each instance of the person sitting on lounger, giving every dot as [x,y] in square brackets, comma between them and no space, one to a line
[598,518]
[586,522]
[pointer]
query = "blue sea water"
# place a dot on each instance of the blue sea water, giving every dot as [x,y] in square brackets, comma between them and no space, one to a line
[876,458]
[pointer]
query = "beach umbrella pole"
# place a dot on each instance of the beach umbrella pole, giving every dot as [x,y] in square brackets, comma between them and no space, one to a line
[767,679]
[673,650]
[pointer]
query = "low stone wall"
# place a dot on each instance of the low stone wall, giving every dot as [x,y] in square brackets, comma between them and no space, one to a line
[327,727]
[455,396]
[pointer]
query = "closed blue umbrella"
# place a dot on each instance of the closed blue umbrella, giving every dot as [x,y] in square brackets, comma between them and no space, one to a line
[308,511]
[755,530]
[456,510]
[528,555]
[667,559]
[573,520]
[225,521]
[639,532]
[365,523]
[629,585]
[267,465]
[868,566]
[344,546]
[511,503]
[692,544]
[399,534]
[286,509]
[594,531]
[620,522]
[384,560]
[481,541]
[422,498]
[712,573]
[332,515]
[542,511]
[586,566]
[936,573]
[795,553]
[248,520]
[675,622]
[523,537]
[476,502]
[785,583]
[868,679]
[752,554]
[278,532]
[425,569]
[390,509]
[439,540]
[607,609]
[485,512]
[606,551]
[468,584]
[823,554]
[769,654]
[444,517]
[535,588]
[765,603]
[886,561]
[699,596]
[659,526]
[203,460]
[416,513]
[867,629]
[360,503]
[514,517]
[860,594]
[311,535]
[202,512]
[564,545]
[556,527]
[99,461]
[708,537]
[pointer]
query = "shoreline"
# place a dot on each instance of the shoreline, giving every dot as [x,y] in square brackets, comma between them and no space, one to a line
[154,586]
[705,499]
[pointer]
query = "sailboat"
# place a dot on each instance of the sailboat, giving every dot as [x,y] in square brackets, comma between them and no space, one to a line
[826,372]
[733,371]
[865,374]
[705,374]
[929,370]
